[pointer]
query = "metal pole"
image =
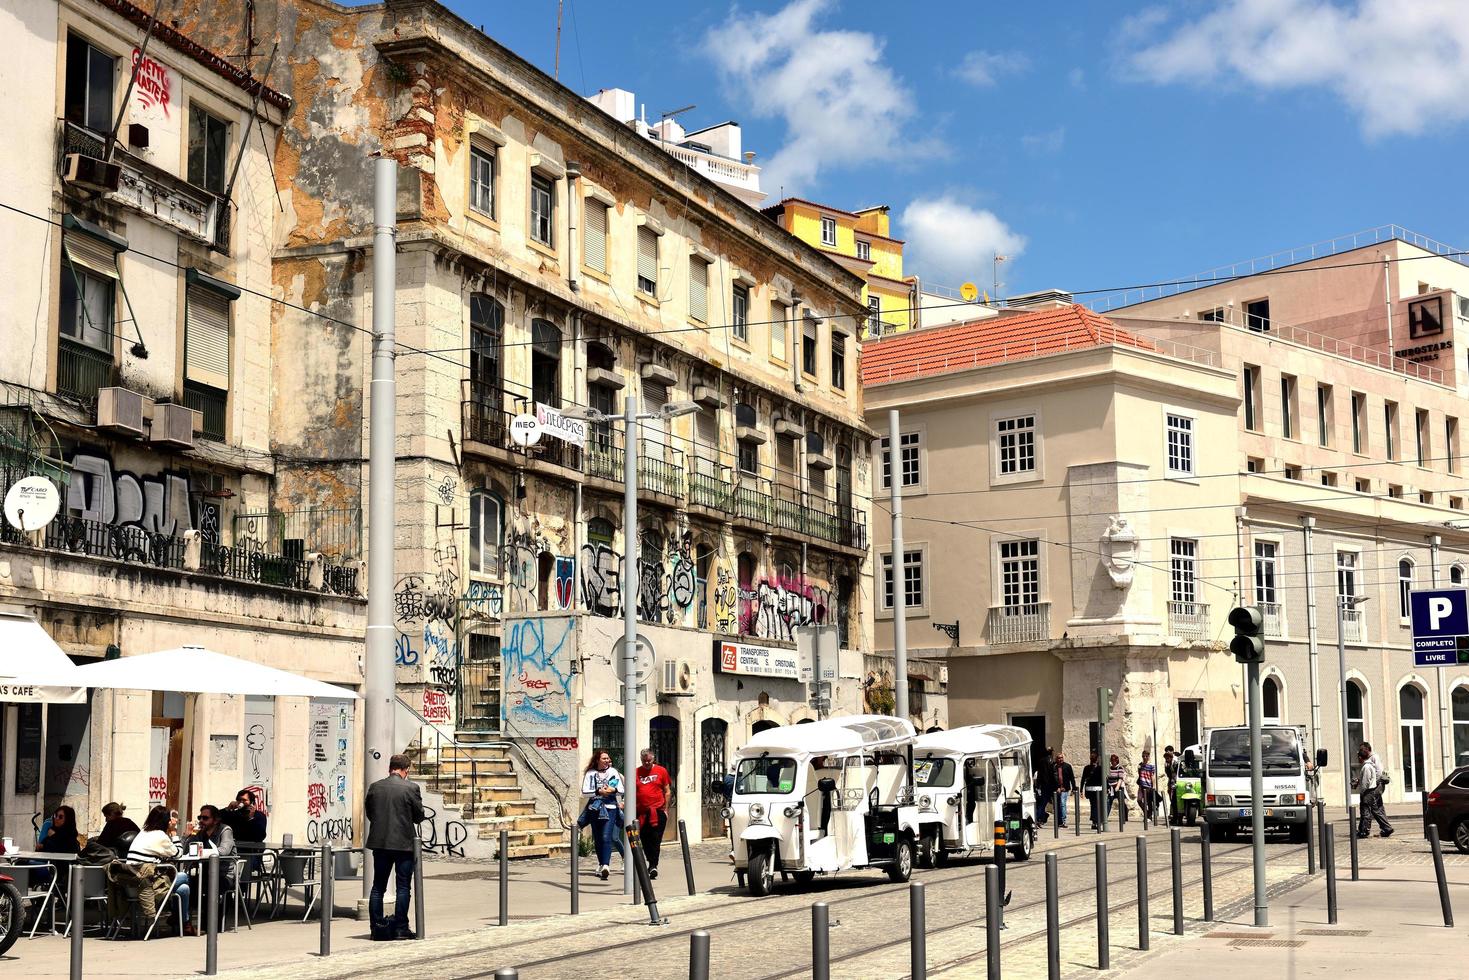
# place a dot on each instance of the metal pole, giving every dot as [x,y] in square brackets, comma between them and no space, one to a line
[1257,810]
[688,861]
[1142,892]
[1321,827]
[1104,957]
[378,685]
[1002,856]
[699,955]
[327,899]
[1206,859]
[820,941]
[420,920]
[1176,847]
[1443,883]
[1352,836]
[504,878]
[917,932]
[1445,729]
[1310,845]
[575,874]
[211,916]
[1330,843]
[1313,648]
[1053,921]
[1346,741]
[78,920]
[900,574]
[992,902]
[630,444]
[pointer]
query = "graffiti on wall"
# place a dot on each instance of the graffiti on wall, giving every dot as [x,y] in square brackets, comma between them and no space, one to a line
[601,580]
[537,658]
[775,607]
[329,772]
[260,748]
[435,706]
[96,491]
[484,600]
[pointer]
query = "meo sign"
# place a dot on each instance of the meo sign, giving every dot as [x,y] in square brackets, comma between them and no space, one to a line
[743,658]
[1440,627]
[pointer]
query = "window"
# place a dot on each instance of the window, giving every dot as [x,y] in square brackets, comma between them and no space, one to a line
[1180,444]
[1291,471]
[1252,397]
[1456,503]
[1015,442]
[1425,496]
[1270,700]
[838,361]
[87,299]
[1459,701]
[1190,722]
[207,336]
[874,314]
[779,313]
[647,261]
[1359,422]
[1356,718]
[912,579]
[486,333]
[543,210]
[698,290]
[1215,315]
[739,310]
[1405,586]
[1394,490]
[910,468]
[1451,443]
[1183,569]
[1346,574]
[1323,415]
[209,140]
[1257,314]
[1020,575]
[749,459]
[1411,730]
[1390,426]
[1420,436]
[828,231]
[1328,478]
[1265,572]
[1364,485]
[864,250]
[810,339]
[545,363]
[485,532]
[482,182]
[1254,464]
[90,76]
[1287,406]
[594,238]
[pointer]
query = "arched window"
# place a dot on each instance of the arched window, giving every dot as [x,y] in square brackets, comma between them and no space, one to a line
[1270,698]
[1460,702]
[1405,585]
[545,571]
[607,734]
[1456,575]
[599,531]
[1411,733]
[486,335]
[486,532]
[545,362]
[763,726]
[1356,720]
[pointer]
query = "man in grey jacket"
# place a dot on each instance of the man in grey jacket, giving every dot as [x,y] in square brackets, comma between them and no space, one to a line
[394,808]
[1369,782]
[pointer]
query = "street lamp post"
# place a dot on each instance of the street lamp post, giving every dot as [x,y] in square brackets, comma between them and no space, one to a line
[1342,602]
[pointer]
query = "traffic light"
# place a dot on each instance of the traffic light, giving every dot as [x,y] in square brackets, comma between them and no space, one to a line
[1248,644]
[1104,704]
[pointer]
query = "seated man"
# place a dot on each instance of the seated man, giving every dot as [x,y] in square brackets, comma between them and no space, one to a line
[213,837]
[245,818]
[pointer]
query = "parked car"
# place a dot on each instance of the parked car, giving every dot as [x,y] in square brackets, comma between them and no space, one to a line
[1448,809]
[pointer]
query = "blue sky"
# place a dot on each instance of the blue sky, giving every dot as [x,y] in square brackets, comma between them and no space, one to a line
[1099,143]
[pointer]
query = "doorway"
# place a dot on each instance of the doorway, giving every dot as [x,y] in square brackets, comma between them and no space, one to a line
[1190,723]
[1410,726]
[1036,725]
[663,740]
[713,740]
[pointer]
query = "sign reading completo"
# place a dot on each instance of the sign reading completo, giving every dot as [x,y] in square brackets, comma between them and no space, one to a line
[559,426]
[743,658]
[1440,627]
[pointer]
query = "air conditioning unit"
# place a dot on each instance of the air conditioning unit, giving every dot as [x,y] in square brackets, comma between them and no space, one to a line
[85,171]
[122,410]
[172,426]
[677,679]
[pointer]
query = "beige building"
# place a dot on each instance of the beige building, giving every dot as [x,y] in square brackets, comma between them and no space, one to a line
[137,378]
[550,259]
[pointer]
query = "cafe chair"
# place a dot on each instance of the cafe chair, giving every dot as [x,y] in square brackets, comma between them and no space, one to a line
[124,877]
[36,896]
[298,869]
[94,889]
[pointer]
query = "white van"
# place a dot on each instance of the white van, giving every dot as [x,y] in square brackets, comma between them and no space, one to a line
[1286,792]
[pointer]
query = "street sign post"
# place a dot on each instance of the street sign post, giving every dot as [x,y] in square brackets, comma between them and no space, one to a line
[1440,627]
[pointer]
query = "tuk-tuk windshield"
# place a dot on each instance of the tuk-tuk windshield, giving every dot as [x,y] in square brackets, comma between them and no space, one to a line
[933,772]
[770,776]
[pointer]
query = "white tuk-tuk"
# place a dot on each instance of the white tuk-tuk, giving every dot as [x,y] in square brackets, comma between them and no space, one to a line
[823,797]
[968,779]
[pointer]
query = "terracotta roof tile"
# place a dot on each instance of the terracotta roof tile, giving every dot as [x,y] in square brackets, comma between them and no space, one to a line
[992,340]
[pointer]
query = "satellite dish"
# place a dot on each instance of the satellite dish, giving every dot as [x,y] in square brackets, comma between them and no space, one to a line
[525,429]
[969,291]
[31,503]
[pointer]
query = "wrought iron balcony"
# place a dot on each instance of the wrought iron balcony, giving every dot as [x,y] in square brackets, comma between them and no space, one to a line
[1022,623]
[122,542]
[210,403]
[485,418]
[1354,625]
[710,486]
[82,370]
[1274,615]
[1188,620]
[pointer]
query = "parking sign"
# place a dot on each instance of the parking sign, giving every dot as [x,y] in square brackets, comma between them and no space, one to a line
[1440,627]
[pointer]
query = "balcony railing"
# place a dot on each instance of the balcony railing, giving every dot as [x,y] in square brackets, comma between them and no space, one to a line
[485,419]
[1023,623]
[128,543]
[1188,620]
[82,141]
[1354,625]
[210,403]
[753,500]
[82,370]
[1274,615]
[710,486]
[660,469]
[603,457]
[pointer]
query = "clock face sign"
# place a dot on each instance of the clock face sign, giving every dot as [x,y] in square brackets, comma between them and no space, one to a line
[31,503]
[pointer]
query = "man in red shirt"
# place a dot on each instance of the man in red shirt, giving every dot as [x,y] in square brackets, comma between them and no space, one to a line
[654,790]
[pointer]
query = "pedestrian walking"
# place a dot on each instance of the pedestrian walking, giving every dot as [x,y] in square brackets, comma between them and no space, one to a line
[1171,767]
[1147,786]
[1093,781]
[394,808]
[603,786]
[654,790]
[1117,791]
[1369,783]
[1065,786]
[1045,785]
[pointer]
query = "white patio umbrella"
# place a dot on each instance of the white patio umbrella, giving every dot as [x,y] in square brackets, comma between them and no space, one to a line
[196,670]
[33,669]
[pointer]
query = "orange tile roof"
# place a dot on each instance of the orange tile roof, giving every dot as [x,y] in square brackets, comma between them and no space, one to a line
[976,343]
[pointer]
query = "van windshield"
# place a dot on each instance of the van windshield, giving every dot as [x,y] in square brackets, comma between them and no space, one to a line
[769,776]
[933,772]
[1280,752]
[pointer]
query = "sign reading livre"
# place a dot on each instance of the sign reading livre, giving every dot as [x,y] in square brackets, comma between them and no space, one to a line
[744,658]
[1440,627]
[553,423]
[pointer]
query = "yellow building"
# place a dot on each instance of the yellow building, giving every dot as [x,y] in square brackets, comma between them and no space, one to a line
[862,242]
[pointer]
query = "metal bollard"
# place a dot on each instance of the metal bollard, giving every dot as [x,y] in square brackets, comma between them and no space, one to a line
[820,941]
[1329,842]
[1104,957]
[1352,836]
[699,954]
[1206,859]
[1321,830]
[1310,845]
[917,932]
[78,921]
[992,922]
[688,860]
[1423,803]
[1056,824]
[327,908]
[1142,892]
[575,874]
[420,918]
[211,916]
[1002,855]
[504,877]
[1443,882]
[644,881]
[1176,847]
[1053,921]
[507,974]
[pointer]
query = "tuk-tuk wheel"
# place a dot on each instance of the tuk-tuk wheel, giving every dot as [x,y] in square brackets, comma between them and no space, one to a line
[762,874]
[928,850]
[1191,817]
[902,867]
[1021,851]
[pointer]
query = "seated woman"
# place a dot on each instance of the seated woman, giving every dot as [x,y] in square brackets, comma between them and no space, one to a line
[58,835]
[154,845]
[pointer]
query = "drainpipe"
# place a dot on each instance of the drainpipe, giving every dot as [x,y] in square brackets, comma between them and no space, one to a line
[1308,527]
[1387,301]
[1445,733]
[573,172]
[578,384]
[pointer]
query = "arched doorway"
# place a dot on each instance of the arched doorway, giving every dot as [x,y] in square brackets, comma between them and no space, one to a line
[1410,731]
[663,740]
[763,726]
[713,764]
[607,734]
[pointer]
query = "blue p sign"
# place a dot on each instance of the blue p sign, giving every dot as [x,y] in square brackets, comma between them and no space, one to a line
[1439,612]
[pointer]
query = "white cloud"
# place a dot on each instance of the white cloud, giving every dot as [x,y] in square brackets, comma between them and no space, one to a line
[984,68]
[951,241]
[1044,144]
[840,101]
[1401,65]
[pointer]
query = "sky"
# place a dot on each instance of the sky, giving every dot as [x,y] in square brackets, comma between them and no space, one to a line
[1097,144]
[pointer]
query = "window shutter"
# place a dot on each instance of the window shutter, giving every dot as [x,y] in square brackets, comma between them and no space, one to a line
[698,290]
[91,254]
[594,244]
[207,338]
[647,255]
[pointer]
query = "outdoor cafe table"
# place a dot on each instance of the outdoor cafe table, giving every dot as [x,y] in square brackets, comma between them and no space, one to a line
[10,857]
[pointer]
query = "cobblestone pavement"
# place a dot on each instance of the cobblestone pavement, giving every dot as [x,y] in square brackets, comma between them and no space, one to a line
[770,937]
